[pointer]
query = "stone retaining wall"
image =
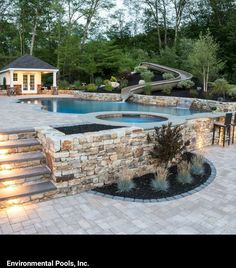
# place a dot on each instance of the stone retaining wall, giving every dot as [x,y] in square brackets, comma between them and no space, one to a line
[209,105]
[92,95]
[98,96]
[159,100]
[84,161]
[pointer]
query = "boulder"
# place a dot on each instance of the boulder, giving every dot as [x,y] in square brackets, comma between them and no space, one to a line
[115,84]
[141,82]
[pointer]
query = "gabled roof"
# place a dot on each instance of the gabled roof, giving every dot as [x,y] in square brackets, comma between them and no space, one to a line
[28,62]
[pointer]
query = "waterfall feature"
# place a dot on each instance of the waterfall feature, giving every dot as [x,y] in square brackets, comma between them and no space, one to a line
[184,104]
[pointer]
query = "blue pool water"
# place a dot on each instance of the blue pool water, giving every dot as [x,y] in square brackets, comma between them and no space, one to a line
[135,119]
[75,106]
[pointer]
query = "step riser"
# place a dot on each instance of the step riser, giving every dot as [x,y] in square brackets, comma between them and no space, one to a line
[19,136]
[29,199]
[25,149]
[28,163]
[26,181]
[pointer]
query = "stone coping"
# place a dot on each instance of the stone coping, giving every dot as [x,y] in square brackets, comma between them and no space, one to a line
[175,120]
[93,118]
[158,200]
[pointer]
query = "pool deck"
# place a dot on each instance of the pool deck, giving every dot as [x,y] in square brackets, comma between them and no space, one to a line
[18,115]
[210,211]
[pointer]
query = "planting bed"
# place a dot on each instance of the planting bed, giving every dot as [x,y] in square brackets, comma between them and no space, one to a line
[84,128]
[143,189]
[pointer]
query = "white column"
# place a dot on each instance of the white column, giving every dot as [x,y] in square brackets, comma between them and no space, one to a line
[54,78]
[11,79]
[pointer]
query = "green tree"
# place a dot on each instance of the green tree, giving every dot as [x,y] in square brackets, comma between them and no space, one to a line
[203,60]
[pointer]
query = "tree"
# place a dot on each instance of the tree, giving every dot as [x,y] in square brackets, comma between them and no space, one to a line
[203,60]
[179,6]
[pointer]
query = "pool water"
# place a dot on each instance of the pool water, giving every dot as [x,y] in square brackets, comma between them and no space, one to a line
[136,119]
[76,106]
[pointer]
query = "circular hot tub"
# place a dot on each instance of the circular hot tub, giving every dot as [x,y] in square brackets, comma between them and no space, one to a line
[132,118]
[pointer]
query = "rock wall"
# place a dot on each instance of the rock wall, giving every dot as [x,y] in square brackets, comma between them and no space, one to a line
[209,105]
[84,161]
[159,100]
[92,95]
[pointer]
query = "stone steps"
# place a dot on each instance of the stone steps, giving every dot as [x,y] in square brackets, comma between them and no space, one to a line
[17,134]
[21,157]
[23,173]
[18,143]
[19,146]
[24,176]
[14,192]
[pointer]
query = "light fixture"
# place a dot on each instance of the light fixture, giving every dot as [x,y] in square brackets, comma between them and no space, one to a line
[10,188]
[8,183]
[13,202]
[6,167]
[3,153]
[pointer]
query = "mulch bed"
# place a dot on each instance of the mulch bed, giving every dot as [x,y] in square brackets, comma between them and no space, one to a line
[134,79]
[85,128]
[185,93]
[143,189]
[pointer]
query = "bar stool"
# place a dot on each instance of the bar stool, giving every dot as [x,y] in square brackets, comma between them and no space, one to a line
[226,128]
[233,125]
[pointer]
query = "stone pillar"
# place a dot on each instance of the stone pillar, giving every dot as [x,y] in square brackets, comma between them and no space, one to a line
[54,87]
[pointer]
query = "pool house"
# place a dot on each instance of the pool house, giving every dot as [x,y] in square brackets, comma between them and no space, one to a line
[24,75]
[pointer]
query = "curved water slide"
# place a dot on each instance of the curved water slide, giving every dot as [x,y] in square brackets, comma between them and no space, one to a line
[179,76]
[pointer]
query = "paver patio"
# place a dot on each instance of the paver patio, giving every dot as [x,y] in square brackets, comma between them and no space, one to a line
[18,115]
[211,211]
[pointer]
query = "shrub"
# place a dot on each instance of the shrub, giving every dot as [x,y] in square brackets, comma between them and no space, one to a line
[98,81]
[166,89]
[168,76]
[220,88]
[125,186]
[108,86]
[106,82]
[113,79]
[160,183]
[184,176]
[186,84]
[77,84]
[231,92]
[140,69]
[124,83]
[147,76]
[147,89]
[63,84]
[168,143]
[91,87]
[197,167]
[193,93]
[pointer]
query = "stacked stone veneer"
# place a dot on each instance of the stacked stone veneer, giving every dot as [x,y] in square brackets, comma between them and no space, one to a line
[84,161]
[195,104]
[208,105]
[157,100]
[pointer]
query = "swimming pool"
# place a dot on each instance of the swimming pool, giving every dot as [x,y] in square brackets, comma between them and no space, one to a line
[76,106]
